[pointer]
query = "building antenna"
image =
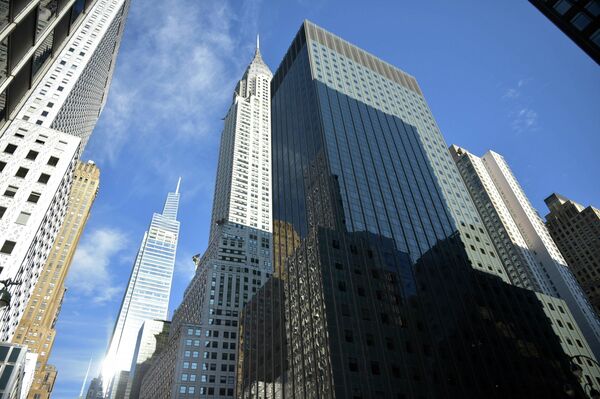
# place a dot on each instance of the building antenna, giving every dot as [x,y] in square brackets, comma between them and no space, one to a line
[178,183]
[85,379]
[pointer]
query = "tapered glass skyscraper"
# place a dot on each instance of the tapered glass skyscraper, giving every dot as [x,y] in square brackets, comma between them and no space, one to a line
[148,290]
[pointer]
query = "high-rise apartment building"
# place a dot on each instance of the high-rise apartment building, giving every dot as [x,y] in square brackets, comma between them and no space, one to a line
[201,354]
[37,326]
[53,93]
[578,19]
[520,236]
[147,294]
[388,283]
[576,231]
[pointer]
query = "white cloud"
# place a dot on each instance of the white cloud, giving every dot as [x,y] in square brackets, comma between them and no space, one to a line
[177,69]
[90,273]
[525,119]
[522,117]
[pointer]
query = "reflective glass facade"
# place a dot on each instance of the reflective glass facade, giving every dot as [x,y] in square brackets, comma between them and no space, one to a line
[148,290]
[385,283]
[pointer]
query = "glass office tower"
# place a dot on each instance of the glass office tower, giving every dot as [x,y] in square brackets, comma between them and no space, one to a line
[385,284]
[147,295]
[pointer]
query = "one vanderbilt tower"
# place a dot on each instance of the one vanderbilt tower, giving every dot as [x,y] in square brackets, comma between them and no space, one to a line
[238,258]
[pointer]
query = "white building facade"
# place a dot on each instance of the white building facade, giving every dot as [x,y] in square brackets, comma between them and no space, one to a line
[36,172]
[522,239]
[54,120]
[238,259]
[148,290]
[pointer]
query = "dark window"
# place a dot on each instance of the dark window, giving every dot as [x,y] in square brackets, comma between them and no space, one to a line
[353,364]
[32,155]
[375,368]
[581,21]
[34,197]
[44,177]
[7,247]
[348,335]
[53,161]
[10,149]
[2,165]
[21,172]
[11,191]
[2,210]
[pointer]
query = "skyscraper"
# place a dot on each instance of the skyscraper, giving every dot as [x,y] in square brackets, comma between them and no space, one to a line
[391,287]
[147,294]
[150,340]
[517,229]
[53,101]
[578,19]
[576,231]
[36,328]
[238,258]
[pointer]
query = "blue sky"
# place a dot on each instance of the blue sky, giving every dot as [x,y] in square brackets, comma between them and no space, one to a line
[497,75]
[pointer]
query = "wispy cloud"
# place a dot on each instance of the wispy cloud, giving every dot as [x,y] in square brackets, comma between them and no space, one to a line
[515,91]
[90,273]
[523,117]
[175,72]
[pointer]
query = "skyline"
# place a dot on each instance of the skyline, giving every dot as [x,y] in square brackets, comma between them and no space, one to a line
[513,91]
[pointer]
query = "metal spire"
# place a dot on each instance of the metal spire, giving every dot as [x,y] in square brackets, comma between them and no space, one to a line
[257,42]
[85,379]
[178,183]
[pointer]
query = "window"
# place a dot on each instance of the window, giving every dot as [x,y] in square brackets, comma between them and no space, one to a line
[562,6]
[182,389]
[23,218]
[581,21]
[11,191]
[53,161]
[21,172]
[2,210]
[32,155]
[44,177]
[10,148]
[7,247]
[2,165]
[34,197]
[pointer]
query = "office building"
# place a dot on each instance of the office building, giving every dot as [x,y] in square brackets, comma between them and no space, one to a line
[578,19]
[17,366]
[392,288]
[147,294]
[148,343]
[516,228]
[52,96]
[95,390]
[37,327]
[36,172]
[238,258]
[576,231]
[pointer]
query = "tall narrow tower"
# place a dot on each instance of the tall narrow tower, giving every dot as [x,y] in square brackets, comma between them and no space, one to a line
[148,290]
[238,259]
